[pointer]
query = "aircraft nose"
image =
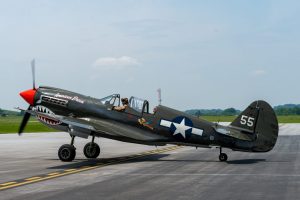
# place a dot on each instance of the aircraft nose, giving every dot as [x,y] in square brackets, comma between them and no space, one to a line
[28,95]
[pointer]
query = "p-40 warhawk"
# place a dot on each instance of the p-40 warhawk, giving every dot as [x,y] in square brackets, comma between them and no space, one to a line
[254,130]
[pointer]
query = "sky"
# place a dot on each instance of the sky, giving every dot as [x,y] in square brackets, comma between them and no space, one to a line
[202,54]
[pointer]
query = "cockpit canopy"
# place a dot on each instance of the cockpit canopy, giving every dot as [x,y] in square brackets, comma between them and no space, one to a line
[140,105]
[137,104]
[112,100]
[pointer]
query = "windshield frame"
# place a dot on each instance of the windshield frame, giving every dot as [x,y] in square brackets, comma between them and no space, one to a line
[141,105]
[111,100]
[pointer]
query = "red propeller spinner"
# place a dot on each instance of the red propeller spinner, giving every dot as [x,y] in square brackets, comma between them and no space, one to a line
[28,95]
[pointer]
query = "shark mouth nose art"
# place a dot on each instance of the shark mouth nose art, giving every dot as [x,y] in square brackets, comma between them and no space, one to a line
[43,118]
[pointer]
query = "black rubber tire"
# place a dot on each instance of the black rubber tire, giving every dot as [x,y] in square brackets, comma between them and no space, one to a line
[67,153]
[91,150]
[223,157]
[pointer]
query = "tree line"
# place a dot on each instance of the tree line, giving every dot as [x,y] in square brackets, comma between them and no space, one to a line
[5,113]
[287,109]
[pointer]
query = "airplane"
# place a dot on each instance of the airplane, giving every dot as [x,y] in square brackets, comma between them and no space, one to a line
[254,130]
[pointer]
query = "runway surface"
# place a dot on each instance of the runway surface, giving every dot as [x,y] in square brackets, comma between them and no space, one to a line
[130,171]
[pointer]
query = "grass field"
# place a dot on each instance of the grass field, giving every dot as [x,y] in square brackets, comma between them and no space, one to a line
[11,124]
[218,118]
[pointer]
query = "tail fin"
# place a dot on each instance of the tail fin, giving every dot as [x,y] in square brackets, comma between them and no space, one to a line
[259,118]
[247,120]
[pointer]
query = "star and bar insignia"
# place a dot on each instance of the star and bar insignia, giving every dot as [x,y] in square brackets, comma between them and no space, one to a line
[181,127]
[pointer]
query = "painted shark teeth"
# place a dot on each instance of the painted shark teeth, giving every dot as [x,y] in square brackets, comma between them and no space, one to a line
[44,109]
[43,119]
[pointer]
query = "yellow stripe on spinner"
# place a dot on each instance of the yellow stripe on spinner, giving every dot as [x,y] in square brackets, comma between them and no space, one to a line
[8,183]
[32,178]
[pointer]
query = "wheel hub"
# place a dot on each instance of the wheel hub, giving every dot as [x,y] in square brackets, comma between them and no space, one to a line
[65,153]
[91,150]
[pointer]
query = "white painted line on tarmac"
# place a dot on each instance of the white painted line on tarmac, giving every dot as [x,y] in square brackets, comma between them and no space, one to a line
[197,174]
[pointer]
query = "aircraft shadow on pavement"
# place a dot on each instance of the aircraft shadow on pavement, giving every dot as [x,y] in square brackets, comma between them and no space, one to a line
[154,157]
[234,162]
[246,161]
[111,161]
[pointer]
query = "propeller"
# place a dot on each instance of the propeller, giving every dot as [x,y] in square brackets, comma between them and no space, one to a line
[33,73]
[28,95]
[24,121]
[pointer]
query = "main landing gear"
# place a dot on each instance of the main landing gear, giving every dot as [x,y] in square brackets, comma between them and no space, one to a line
[67,152]
[223,156]
[91,149]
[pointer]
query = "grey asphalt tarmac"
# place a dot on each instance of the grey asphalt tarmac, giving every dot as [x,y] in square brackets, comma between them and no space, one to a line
[182,173]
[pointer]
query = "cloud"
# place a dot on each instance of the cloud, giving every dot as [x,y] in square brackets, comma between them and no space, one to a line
[259,72]
[113,63]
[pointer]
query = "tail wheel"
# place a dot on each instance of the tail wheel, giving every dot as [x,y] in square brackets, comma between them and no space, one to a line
[67,153]
[223,157]
[91,150]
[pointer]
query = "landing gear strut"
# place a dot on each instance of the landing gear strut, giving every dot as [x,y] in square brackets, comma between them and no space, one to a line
[67,152]
[223,156]
[91,149]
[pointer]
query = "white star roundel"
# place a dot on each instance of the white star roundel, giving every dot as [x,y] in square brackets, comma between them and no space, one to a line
[181,127]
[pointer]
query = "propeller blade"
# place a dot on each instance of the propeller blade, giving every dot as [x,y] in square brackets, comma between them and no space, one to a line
[24,121]
[33,72]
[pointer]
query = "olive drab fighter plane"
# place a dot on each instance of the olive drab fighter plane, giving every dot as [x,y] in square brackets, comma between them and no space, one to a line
[254,130]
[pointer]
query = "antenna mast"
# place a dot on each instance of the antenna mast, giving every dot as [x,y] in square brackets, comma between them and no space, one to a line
[159,96]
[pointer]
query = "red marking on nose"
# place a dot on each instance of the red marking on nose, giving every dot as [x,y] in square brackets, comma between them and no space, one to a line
[28,95]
